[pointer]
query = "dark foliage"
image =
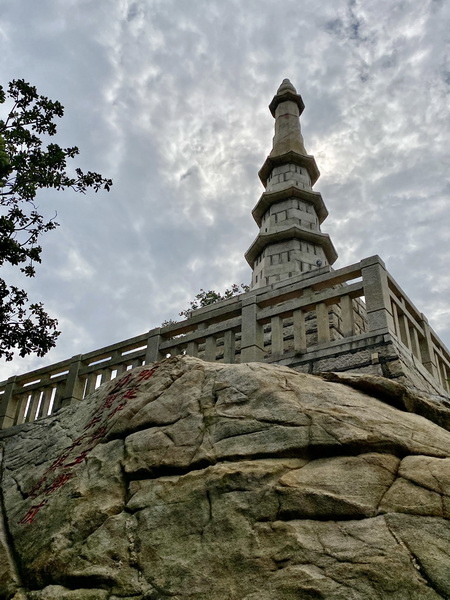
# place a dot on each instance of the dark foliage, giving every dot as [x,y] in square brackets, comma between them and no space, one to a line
[204,298]
[28,165]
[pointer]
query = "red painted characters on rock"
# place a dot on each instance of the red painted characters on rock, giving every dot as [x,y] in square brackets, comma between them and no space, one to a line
[60,471]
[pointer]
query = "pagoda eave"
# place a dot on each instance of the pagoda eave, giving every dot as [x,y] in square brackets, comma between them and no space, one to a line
[267,199]
[285,97]
[291,233]
[302,160]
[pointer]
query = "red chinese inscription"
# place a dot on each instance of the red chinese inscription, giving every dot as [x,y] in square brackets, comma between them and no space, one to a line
[59,472]
[32,512]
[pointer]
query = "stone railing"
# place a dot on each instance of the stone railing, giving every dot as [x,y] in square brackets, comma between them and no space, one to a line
[412,331]
[327,313]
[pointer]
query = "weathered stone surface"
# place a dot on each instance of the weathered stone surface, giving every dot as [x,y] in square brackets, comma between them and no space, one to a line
[192,480]
[433,407]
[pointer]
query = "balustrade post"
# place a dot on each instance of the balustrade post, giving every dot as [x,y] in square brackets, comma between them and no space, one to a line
[192,349]
[121,369]
[300,343]
[210,349]
[323,323]
[276,332]
[376,293]
[74,388]
[153,341]
[426,348]
[348,316]
[90,383]
[45,404]
[229,346]
[106,375]
[33,405]
[446,377]
[252,340]
[443,375]
[398,331]
[7,404]
[407,342]
[415,343]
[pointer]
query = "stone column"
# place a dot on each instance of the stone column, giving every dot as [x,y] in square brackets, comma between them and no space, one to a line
[323,323]
[348,316]
[210,348]
[7,404]
[153,341]
[277,336]
[229,346]
[45,404]
[300,344]
[192,349]
[376,292]
[252,340]
[74,388]
[426,349]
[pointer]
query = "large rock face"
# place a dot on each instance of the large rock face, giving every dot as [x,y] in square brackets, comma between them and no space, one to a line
[193,481]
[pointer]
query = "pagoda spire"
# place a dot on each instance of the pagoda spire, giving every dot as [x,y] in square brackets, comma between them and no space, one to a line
[289,213]
[288,135]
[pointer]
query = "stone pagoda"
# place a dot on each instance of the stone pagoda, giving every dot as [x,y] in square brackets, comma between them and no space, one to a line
[289,213]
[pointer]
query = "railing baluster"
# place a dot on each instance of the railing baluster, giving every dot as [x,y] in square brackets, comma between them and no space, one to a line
[91,381]
[229,346]
[407,334]
[8,404]
[32,407]
[348,316]
[438,367]
[415,342]
[106,375]
[323,324]
[252,341]
[45,404]
[426,348]
[443,374]
[299,331]
[446,378]
[59,394]
[276,324]
[210,348]
[121,369]
[22,406]
[192,349]
[396,320]
[402,331]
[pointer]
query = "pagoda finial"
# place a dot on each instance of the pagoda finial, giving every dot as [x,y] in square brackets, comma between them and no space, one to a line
[286,85]
[286,107]
[286,92]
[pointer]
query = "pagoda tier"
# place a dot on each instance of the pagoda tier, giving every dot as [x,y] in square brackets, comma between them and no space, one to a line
[289,213]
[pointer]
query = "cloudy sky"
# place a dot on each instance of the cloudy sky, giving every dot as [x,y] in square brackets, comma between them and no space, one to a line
[169,99]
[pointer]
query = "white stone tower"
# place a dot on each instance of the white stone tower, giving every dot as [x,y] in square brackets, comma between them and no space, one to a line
[288,213]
